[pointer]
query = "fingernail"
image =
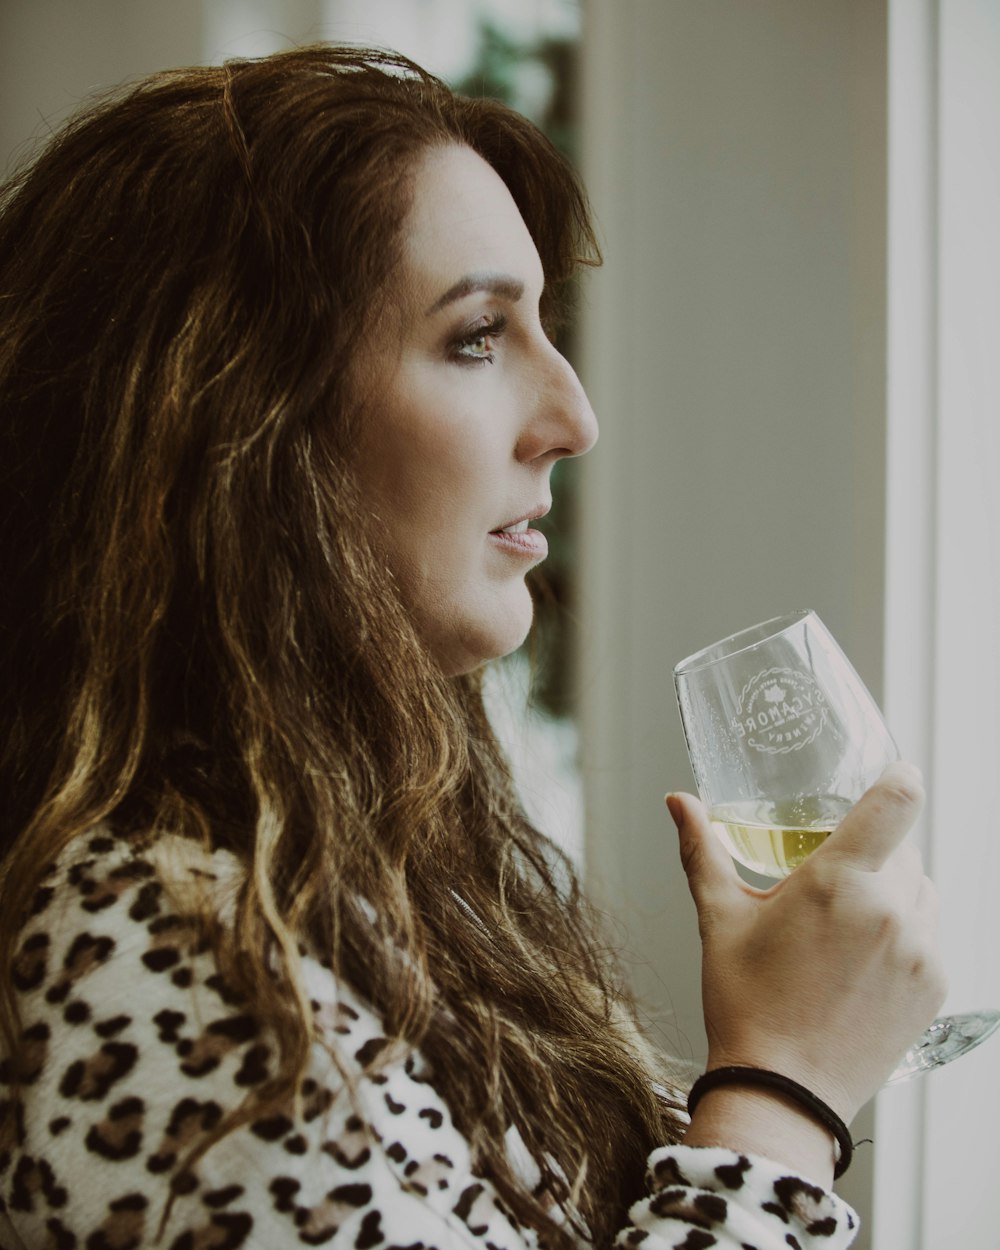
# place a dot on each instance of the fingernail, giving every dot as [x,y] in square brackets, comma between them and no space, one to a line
[675,809]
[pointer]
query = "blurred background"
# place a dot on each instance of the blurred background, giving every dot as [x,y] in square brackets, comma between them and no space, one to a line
[793,349]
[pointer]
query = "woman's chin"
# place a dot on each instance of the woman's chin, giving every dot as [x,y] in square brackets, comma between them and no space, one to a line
[480,642]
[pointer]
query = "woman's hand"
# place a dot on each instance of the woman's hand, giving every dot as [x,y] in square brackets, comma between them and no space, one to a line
[831,974]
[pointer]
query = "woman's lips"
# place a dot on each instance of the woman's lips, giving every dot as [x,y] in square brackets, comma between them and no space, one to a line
[530,543]
[518,539]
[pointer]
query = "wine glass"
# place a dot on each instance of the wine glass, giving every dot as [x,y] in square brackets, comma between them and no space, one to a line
[784,738]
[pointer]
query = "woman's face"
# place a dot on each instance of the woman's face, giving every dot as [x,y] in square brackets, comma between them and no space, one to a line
[471,406]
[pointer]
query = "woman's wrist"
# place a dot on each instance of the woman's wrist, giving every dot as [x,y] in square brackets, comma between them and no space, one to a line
[764,1122]
[777,1082]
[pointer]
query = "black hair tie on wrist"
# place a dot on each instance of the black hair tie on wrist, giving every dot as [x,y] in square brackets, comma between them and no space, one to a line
[805,1098]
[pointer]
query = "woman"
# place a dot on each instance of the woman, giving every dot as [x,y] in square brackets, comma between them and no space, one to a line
[286,962]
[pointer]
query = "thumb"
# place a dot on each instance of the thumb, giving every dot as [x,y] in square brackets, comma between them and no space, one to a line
[709,869]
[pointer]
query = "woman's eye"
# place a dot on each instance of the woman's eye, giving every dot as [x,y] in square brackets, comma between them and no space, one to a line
[479,348]
[478,345]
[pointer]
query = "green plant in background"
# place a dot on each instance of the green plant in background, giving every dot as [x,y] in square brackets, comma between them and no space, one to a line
[539,80]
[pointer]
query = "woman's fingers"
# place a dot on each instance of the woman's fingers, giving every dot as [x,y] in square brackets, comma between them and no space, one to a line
[877,824]
[709,868]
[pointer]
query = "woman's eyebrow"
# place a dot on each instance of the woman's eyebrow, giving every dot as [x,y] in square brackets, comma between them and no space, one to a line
[501,284]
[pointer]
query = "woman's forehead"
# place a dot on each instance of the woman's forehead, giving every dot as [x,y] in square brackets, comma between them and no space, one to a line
[464,221]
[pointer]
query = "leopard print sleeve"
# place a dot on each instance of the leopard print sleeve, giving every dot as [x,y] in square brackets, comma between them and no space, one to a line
[135,1046]
[703,1197]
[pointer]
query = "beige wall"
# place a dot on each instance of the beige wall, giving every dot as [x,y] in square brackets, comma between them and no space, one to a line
[734,351]
[55,53]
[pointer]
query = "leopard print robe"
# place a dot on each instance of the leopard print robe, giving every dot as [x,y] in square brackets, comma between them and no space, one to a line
[136,1046]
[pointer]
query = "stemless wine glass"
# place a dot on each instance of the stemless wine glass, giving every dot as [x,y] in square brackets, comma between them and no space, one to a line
[784,738]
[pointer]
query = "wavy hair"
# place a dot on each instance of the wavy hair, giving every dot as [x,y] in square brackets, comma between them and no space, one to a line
[199,635]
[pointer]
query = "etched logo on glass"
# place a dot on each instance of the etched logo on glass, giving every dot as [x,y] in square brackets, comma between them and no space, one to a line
[780,710]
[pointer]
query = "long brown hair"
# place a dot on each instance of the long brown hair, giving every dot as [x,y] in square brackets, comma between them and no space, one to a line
[199,635]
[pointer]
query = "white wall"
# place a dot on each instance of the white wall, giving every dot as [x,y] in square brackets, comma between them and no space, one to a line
[963,1102]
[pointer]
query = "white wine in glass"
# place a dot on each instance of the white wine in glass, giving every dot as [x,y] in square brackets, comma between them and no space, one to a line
[784,738]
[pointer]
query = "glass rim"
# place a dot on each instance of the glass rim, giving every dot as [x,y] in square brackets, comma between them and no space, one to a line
[730,646]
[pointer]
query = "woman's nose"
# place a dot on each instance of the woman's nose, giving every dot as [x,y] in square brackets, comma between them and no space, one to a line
[561,421]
